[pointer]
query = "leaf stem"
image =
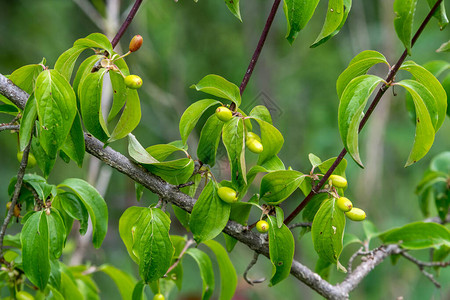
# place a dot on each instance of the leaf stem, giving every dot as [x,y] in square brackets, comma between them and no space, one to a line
[189,243]
[390,77]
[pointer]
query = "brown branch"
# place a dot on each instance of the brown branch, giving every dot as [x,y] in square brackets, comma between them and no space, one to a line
[8,127]
[380,93]
[126,23]
[189,243]
[250,265]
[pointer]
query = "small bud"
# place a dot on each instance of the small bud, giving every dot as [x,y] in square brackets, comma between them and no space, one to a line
[136,43]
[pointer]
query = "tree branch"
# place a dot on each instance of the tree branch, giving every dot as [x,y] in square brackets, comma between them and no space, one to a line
[380,93]
[126,23]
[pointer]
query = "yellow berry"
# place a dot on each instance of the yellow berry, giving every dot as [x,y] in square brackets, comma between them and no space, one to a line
[159,296]
[227,194]
[133,81]
[254,145]
[344,204]
[224,114]
[250,135]
[338,181]
[22,295]
[136,43]
[356,214]
[262,226]
[31,159]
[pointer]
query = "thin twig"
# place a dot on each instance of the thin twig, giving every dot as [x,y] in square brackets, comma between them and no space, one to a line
[189,183]
[9,127]
[250,265]
[380,93]
[422,264]
[15,197]
[301,224]
[126,23]
[189,243]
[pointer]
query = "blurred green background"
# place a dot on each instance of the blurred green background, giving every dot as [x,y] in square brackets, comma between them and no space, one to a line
[184,41]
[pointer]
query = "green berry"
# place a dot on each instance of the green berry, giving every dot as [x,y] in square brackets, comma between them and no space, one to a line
[31,159]
[22,295]
[224,114]
[344,204]
[136,43]
[262,226]
[227,194]
[254,145]
[159,296]
[250,135]
[133,81]
[338,181]
[356,214]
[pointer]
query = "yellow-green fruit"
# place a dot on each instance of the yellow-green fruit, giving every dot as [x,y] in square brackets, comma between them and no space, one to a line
[356,214]
[136,43]
[159,296]
[344,204]
[338,181]
[250,135]
[31,159]
[254,146]
[262,226]
[133,81]
[224,114]
[227,194]
[22,295]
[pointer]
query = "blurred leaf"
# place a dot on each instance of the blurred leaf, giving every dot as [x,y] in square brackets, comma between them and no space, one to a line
[439,14]
[445,47]
[209,215]
[278,185]
[281,249]
[298,13]
[323,268]
[353,101]
[206,271]
[94,204]
[441,163]
[370,231]
[191,116]
[426,119]
[403,22]
[350,238]
[209,140]
[418,235]
[328,232]
[228,276]
[124,282]
[233,6]
[220,87]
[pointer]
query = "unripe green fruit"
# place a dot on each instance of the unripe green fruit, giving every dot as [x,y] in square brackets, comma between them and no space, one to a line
[136,43]
[31,159]
[344,204]
[254,146]
[356,214]
[338,181]
[224,114]
[22,295]
[159,296]
[262,226]
[227,194]
[133,81]
[250,135]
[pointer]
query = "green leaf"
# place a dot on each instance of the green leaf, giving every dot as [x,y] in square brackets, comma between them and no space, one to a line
[44,161]
[233,6]
[358,66]
[138,291]
[191,116]
[56,109]
[74,207]
[350,238]
[220,87]
[74,145]
[206,271]
[138,153]
[8,108]
[439,14]
[327,31]
[441,163]
[351,107]
[94,204]
[313,206]
[35,249]
[403,22]
[234,141]
[209,215]
[433,85]
[84,69]
[280,216]
[69,289]
[209,140]
[298,13]
[281,249]
[130,117]
[123,281]
[340,169]
[120,90]
[445,47]
[262,113]
[278,185]
[271,139]
[39,184]
[370,231]
[66,61]
[418,235]
[323,268]
[27,123]
[95,40]
[314,160]
[162,151]
[228,277]
[426,119]
[90,94]
[56,233]
[175,171]
[127,228]
[328,231]
[25,77]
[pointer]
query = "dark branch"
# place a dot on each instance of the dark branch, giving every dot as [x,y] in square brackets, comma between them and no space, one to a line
[126,23]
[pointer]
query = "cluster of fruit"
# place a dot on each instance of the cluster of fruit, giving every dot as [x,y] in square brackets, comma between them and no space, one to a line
[343,203]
